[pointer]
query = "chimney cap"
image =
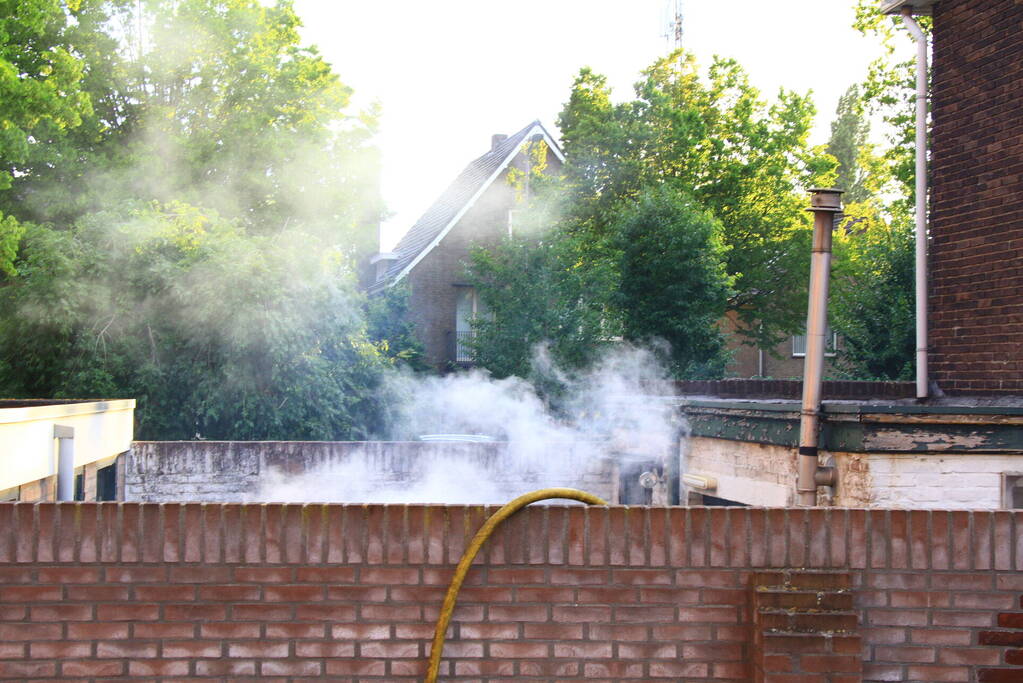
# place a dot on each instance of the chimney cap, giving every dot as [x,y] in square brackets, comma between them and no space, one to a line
[826,199]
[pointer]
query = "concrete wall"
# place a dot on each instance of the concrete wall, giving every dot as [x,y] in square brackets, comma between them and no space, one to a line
[28,449]
[173,471]
[278,592]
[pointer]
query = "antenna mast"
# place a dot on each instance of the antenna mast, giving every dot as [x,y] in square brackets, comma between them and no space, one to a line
[673,36]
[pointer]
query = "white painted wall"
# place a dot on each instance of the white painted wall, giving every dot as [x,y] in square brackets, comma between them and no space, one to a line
[28,450]
[955,482]
[765,475]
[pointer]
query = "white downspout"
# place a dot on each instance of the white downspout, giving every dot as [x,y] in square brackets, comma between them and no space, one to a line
[921,200]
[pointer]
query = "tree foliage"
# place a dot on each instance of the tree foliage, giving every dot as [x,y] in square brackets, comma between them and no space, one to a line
[872,302]
[672,208]
[873,295]
[539,292]
[715,139]
[390,330]
[214,332]
[849,142]
[191,214]
[889,92]
[41,97]
[672,284]
[239,118]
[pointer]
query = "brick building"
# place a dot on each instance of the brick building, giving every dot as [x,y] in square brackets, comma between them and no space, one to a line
[976,297]
[476,209]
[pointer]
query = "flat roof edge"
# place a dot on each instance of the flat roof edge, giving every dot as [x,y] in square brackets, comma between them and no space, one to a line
[55,409]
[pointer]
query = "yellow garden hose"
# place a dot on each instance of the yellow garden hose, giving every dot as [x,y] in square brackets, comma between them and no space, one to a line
[469,555]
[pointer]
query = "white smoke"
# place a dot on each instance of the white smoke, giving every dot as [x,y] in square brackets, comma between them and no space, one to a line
[616,414]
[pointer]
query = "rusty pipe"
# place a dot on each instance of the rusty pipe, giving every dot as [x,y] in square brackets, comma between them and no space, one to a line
[825,205]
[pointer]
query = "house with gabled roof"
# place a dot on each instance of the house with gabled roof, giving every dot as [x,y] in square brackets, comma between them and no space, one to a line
[476,209]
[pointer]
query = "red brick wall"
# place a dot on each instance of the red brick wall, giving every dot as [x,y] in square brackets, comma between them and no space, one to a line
[160,592]
[976,210]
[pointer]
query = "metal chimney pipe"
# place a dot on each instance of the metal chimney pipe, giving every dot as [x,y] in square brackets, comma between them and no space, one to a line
[825,205]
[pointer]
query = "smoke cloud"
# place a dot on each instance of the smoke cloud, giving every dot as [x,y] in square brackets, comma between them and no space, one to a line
[609,421]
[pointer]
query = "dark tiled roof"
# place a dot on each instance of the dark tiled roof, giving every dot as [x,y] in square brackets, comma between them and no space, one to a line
[452,200]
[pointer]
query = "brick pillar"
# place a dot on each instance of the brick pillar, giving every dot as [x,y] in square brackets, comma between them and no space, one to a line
[804,628]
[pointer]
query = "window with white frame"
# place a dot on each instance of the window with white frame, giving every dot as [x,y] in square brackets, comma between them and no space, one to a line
[799,343]
[468,306]
[513,218]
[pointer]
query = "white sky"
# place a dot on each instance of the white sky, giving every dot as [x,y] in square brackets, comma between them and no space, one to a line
[449,73]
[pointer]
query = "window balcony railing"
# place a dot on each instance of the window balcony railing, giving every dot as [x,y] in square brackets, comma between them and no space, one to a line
[463,347]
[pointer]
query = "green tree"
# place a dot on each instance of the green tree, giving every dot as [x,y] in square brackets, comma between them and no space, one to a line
[41,96]
[889,92]
[539,292]
[849,133]
[240,118]
[872,299]
[713,138]
[190,239]
[672,284]
[389,327]
[215,332]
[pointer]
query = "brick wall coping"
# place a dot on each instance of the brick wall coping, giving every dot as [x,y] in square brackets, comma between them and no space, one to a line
[303,534]
[793,388]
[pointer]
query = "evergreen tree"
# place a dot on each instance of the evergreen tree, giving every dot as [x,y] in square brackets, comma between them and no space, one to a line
[849,132]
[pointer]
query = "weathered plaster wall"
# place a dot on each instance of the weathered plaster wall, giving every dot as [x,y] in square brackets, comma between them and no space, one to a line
[223,471]
[887,455]
[765,474]
[752,473]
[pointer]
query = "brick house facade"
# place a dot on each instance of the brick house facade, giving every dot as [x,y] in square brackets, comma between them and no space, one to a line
[475,210]
[784,361]
[976,297]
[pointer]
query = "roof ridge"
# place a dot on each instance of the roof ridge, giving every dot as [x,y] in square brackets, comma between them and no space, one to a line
[434,222]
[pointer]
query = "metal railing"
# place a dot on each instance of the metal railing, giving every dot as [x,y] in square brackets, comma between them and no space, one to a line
[463,348]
